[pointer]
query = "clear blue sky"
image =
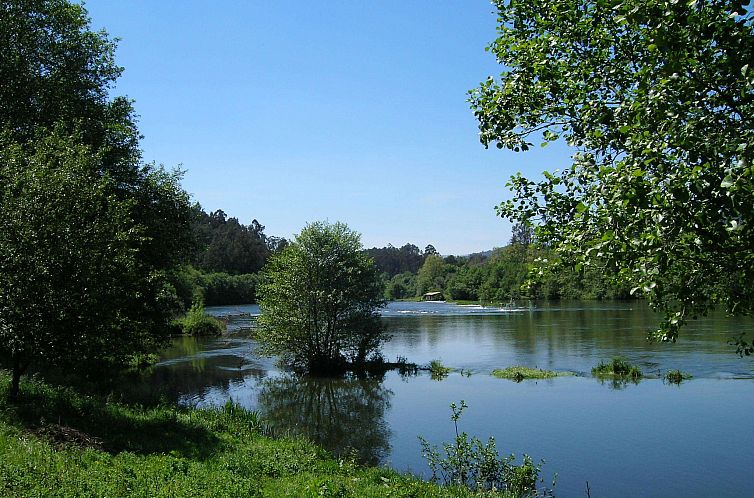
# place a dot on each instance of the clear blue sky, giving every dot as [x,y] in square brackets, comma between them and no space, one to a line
[296,111]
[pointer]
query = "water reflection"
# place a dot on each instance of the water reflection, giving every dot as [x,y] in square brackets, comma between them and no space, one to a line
[606,433]
[343,415]
[617,383]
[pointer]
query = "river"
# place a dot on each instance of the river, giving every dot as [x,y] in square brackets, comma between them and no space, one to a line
[649,438]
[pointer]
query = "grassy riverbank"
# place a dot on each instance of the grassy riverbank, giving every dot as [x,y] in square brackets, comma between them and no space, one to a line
[57,442]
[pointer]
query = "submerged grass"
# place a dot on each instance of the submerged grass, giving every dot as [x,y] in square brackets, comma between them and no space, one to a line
[438,371]
[56,441]
[617,367]
[676,376]
[519,373]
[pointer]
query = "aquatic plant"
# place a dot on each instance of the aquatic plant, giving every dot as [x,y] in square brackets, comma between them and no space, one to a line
[198,323]
[143,360]
[519,373]
[617,367]
[676,376]
[478,466]
[438,371]
[406,369]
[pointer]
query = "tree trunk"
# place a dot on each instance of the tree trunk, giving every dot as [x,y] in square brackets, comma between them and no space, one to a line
[16,379]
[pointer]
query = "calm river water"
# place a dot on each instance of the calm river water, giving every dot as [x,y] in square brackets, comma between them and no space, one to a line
[644,439]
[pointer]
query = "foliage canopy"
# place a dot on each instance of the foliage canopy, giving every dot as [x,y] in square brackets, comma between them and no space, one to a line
[657,100]
[89,232]
[319,298]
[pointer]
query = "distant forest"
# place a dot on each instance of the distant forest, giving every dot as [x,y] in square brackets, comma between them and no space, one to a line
[225,261]
[228,256]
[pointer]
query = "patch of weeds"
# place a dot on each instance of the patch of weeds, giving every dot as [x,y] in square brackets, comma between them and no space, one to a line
[471,464]
[676,376]
[143,360]
[198,323]
[618,367]
[406,369]
[518,373]
[438,371]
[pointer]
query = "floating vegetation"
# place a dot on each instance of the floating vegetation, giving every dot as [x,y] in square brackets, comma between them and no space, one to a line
[406,369]
[519,373]
[438,371]
[618,367]
[676,376]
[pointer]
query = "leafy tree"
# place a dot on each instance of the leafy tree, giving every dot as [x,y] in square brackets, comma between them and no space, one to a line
[56,71]
[401,286]
[78,204]
[319,298]
[70,272]
[522,234]
[432,274]
[657,100]
[393,260]
[507,273]
[227,246]
[465,283]
[57,75]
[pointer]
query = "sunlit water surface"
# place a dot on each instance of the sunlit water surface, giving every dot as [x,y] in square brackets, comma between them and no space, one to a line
[625,439]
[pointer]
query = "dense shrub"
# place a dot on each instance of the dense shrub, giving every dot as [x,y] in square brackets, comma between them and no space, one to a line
[198,323]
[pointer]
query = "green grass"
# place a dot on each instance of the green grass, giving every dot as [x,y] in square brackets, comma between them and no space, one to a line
[438,371]
[57,442]
[676,376]
[520,373]
[618,367]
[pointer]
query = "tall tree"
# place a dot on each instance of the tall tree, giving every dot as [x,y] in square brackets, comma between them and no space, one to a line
[432,274]
[55,70]
[69,261]
[657,100]
[77,198]
[319,298]
[225,245]
[393,260]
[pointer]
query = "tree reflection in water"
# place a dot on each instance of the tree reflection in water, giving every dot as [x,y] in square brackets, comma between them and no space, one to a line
[343,415]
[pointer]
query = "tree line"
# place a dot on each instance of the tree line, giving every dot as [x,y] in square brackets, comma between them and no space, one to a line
[501,275]
[228,257]
[225,260]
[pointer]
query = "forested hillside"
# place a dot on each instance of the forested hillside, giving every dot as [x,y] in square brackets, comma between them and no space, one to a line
[226,258]
[229,255]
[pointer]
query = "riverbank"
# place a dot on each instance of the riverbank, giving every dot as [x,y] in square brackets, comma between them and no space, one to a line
[57,441]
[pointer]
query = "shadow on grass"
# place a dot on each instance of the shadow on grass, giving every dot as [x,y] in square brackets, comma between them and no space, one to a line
[63,415]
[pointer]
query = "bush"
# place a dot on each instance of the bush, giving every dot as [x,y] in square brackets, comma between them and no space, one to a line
[618,367]
[438,371]
[676,376]
[477,466]
[198,323]
[214,288]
